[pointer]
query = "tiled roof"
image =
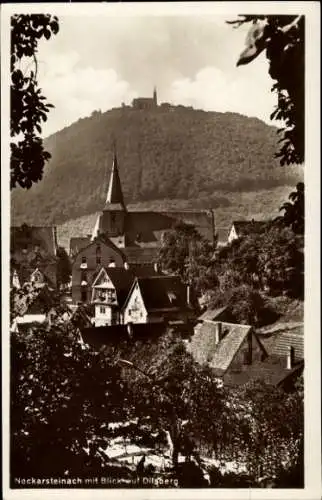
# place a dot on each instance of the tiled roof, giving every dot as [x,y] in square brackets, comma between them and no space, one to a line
[163,292]
[218,356]
[278,344]
[138,255]
[227,348]
[244,227]
[272,371]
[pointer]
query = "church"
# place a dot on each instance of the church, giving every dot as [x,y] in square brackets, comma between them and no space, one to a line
[125,238]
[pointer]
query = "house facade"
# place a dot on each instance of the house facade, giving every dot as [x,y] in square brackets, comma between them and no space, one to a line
[88,262]
[243,228]
[156,299]
[238,355]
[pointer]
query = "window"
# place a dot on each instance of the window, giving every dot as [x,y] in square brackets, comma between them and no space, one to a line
[130,312]
[102,309]
[83,295]
[83,260]
[83,276]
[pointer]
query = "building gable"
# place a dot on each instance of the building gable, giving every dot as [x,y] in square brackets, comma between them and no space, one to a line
[134,310]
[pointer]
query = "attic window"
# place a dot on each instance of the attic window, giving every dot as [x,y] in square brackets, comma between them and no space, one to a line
[172,297]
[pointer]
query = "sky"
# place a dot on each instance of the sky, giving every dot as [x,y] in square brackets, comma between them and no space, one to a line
[98,62]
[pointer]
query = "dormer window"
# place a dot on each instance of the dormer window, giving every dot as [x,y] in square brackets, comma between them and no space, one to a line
[172,297]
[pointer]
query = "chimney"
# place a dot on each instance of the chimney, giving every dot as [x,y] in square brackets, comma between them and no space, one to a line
[218,331]
[290,358]
[126,266]
[188,295]
[129,328]
[55,239]
[156,267]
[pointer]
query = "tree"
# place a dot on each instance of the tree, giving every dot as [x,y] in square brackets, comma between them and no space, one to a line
[186,253]
[29,107]
[269,261]
[62,398]
[172,394]
[282,37]
[268,425]
[294,210]
[64,267]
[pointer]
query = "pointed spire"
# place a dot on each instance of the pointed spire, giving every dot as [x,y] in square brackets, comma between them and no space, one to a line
[114,198]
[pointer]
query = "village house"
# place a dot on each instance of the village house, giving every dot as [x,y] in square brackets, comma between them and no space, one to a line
[238,355]
[99,253]
[33,249]
[242,228]
[110,289]
[158,299]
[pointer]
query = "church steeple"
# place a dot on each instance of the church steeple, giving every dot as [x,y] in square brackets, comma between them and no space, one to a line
[114,198]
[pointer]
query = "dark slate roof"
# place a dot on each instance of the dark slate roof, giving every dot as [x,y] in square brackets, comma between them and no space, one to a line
[217,356]
[122,280]
[244,227]
[104,335]
[163,292]
[272,370]
[78,243]
[139,255]
[279,343]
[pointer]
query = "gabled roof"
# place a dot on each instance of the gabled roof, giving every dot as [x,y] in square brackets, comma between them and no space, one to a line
[123,279]
[279,343]
[272,370]
[162,293]
[139,255]
[244,227]
[218,356]
[228,347]
[101,238]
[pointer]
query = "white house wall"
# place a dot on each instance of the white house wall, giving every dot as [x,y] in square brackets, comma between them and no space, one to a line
[135,311]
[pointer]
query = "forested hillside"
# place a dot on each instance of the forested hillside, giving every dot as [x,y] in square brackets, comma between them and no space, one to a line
[176,154]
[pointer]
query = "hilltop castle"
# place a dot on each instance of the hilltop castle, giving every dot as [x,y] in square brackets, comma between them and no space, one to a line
[146,102]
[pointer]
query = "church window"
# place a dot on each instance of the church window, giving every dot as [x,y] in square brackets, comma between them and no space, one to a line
[102,309]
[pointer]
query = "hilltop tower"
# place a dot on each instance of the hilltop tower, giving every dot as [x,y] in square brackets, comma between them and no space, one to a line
[111,221]
[155,98]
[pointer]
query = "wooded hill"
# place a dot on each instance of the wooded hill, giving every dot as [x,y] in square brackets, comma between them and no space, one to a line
[177,153]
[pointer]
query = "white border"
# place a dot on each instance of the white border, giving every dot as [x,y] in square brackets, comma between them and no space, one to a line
[311,10]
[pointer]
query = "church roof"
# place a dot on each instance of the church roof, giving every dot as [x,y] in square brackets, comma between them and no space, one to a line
[114,198]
